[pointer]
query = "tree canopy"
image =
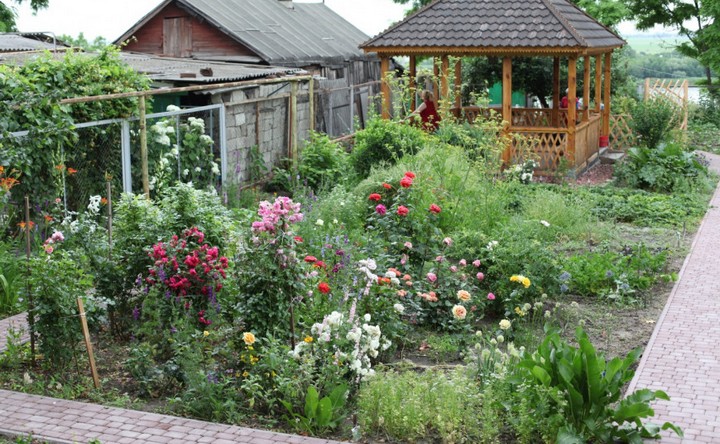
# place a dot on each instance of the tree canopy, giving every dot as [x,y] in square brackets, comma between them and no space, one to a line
[8,14]
[695,19]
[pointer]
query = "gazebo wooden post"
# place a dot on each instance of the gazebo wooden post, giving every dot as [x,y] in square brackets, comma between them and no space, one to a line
[444,77]
[606,96]
[384,86]
[507,102]
[412,83]
[586,89]
[436,74]
[458,86]
[572,108]
[556,93]
[598,82]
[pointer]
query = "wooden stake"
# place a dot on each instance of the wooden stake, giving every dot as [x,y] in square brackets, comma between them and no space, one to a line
[88,344]
[507,104]
[31,305]
[143,148]
[384,88]
[293,124]
[311,93]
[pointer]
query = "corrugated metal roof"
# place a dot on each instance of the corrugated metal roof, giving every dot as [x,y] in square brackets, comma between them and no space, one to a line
[197,71]
[17,42]
[303,34]
[497,24]
[177,69]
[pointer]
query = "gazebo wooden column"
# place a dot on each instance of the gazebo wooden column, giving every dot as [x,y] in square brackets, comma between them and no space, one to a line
[436,74]
[458,85]
[586,89]
[444,77]
[606,96]
[572,108]
[598,82]
[507,101]
[385,86]
[556,92]
[412,83]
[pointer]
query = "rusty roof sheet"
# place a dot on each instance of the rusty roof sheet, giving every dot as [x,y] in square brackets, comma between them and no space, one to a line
[495,24]
[13,42]
[176,69]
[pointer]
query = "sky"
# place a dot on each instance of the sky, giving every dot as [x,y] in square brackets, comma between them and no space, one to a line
[110,19]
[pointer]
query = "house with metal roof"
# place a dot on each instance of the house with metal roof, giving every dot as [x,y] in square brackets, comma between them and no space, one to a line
[270,32]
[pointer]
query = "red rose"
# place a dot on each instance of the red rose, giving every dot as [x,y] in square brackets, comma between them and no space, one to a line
[406,182]
[319,264]
[310,259]
[298,239]
[324,288]
[387,186]
[375,196]
[434,209]
[402,211]
[410,174]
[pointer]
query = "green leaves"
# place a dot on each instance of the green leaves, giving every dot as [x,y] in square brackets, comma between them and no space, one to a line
[591,386]
[319,414]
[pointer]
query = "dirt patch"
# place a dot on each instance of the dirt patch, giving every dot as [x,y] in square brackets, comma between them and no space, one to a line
[598,174]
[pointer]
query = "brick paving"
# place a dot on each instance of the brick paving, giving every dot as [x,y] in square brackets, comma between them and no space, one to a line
[683,355]
[18,324]
[60,421]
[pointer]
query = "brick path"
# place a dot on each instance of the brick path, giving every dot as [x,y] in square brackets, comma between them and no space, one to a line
[60,421]
[17,323]
[683,355]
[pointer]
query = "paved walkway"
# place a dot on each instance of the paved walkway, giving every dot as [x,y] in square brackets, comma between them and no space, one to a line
[683,355]
[59,421]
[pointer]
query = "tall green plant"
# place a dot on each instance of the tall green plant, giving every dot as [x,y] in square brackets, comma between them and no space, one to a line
[651,121]
[593,388]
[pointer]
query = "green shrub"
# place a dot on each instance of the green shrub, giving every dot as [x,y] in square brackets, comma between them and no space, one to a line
[11,280]
[593,387]
[665,169]
[651,121]
[411,407]
[384,141]
[322,162]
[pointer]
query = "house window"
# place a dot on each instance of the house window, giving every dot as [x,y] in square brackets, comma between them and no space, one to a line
[177,37]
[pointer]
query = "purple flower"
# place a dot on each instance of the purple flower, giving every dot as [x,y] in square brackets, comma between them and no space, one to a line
[136,313]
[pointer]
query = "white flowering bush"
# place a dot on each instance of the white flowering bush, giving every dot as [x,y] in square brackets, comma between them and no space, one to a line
[521,172]
[346,344]
[190,159]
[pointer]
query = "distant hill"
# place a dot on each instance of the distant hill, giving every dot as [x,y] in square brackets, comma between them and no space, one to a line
[654,43]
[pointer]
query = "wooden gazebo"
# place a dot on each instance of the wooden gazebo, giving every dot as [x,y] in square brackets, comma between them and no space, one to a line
[507,29]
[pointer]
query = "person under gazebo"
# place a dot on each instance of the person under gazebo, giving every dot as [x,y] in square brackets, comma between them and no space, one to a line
[429,117]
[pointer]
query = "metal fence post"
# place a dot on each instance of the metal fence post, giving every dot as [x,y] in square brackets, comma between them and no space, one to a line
[125,156]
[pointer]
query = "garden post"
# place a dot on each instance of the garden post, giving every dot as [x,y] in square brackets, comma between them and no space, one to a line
[507,104]
[293,124]
[31,306]
[384,89]
[606,96]
[88,344]
[411,82]
[143,147]
[598,84]
[311,94]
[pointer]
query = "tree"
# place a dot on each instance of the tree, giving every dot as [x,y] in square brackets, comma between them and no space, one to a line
[8,14]
[695,19]
[81,42]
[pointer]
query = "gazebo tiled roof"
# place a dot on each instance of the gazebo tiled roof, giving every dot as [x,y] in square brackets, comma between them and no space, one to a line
[490,26]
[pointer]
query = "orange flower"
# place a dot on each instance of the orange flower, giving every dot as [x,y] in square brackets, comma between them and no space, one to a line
[103,201]
[60,167]
[2,168]
[48,218]
[72,171]
[22,225]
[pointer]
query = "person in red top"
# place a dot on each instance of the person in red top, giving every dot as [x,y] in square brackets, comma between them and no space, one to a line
[429,117]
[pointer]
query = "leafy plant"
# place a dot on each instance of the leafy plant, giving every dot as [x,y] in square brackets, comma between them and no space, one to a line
[592,386]
[10,280]
[319,414]
[664,169]
[651,120]
[322,162]
[384,141]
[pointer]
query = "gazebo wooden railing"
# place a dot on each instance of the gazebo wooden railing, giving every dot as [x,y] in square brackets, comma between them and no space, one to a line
[549,140]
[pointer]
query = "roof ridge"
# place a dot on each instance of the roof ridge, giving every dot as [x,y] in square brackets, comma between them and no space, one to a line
[563,21]
[405,19]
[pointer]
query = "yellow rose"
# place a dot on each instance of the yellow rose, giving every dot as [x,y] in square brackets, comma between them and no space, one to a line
[249,338]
